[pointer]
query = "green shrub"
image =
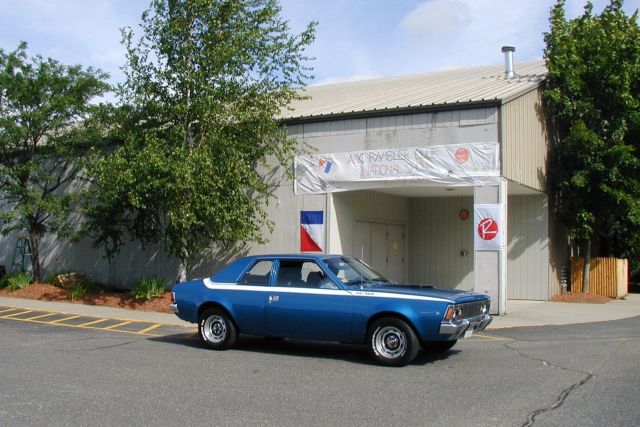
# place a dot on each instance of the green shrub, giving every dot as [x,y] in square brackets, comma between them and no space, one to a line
[19,280]
[148,287]
[83,288]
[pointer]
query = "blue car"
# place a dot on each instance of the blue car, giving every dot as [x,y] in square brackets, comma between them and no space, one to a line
[328,297]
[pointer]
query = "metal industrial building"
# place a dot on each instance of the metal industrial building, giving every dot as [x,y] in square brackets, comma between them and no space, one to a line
[415,230]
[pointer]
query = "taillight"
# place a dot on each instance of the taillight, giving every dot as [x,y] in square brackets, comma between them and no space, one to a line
[173,297]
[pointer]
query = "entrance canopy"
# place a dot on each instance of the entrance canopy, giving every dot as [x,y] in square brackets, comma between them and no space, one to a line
[454,165]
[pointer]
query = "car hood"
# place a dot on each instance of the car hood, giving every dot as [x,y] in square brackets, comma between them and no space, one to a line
[455,295]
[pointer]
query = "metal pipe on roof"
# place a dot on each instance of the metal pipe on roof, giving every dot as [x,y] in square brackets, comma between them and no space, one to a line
[508,61]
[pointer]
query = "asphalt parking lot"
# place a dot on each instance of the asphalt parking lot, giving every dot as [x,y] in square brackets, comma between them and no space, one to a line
[62,371]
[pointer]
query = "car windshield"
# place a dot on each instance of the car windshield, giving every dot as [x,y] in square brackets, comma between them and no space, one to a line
[352,271]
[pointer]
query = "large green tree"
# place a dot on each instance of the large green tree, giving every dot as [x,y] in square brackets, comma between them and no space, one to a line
[593,97]
[47,124]
[205,82]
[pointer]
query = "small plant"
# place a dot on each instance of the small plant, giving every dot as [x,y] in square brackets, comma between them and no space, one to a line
[19,280]
[83,288]
[148,287]
[51,277]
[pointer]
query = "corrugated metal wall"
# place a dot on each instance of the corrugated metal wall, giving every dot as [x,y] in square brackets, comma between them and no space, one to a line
[409,130]
[363,205]
[528,248]
[134,262]
[284,211]
[348,207]
[438,238]
[524,141]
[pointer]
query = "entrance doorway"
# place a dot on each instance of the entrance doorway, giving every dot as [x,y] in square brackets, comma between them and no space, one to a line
[381,245]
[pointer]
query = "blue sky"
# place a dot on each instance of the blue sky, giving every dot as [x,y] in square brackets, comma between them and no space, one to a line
[356,39]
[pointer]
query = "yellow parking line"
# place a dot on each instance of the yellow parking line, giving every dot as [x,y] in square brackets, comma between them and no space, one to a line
[116,326]
[66,325]
[41,316]
[121,319]
[17,314]
[8,309]
[94,322]
[150,328]
[63,319]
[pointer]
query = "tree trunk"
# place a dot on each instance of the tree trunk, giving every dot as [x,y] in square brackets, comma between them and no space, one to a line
[182,273]
[182,266]
[35,246]
[587,266]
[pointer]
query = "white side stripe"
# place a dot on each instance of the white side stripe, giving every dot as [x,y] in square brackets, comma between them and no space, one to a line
[315,291]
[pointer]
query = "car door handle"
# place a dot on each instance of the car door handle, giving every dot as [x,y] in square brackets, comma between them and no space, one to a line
[273,298]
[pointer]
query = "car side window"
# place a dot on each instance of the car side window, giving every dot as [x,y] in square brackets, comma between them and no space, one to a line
[303,274]
[258,275]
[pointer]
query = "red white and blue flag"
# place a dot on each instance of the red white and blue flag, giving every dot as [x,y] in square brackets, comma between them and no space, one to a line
[311,231]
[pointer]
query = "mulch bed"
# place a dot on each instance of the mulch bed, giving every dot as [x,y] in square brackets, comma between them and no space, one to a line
[580,297]
[46,292]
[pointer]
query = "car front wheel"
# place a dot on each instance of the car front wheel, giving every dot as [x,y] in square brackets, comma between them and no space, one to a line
[392,342]
[216,329]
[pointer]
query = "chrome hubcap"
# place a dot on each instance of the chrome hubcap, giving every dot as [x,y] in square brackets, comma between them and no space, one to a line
[215,329]
[390,342]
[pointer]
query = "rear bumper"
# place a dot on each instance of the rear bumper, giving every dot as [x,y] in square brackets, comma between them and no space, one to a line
[455,329]
[174,308]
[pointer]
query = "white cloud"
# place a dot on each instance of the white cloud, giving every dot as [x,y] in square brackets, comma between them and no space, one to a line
[72,31]
[436,18]
[356,39]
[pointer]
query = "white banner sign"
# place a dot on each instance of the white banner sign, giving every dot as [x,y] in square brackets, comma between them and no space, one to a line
[489,227]
[473,164]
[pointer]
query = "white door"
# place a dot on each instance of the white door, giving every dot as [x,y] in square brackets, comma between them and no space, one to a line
[362,240]
[381,245]
[395,252]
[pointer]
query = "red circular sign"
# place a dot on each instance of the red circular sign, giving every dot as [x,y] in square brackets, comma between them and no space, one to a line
[488,228]
[462,155]
[464,214]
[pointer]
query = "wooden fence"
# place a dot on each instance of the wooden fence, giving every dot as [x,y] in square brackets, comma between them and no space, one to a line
[607,276]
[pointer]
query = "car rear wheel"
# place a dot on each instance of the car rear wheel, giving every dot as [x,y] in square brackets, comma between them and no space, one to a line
[392,342]
[216,329]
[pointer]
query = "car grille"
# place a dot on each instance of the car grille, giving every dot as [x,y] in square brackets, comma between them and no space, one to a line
[472,309]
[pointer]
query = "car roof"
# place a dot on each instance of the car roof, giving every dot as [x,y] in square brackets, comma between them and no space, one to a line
[316,256]
[232,272]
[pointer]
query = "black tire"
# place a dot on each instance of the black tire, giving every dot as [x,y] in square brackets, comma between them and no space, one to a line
[439,346]
[392,342]
[216,329]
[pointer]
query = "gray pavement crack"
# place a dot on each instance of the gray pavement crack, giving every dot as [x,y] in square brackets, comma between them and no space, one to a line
[562,397]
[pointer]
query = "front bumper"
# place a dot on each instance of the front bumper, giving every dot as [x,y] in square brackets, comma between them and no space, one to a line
[457,328]
[174,307]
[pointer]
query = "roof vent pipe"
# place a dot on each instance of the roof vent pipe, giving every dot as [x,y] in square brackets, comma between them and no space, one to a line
[508,61]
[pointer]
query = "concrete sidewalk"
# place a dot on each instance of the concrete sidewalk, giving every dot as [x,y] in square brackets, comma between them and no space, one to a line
[520,313]
[545,313]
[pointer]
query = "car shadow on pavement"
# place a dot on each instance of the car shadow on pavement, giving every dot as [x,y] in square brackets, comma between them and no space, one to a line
[301,348]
